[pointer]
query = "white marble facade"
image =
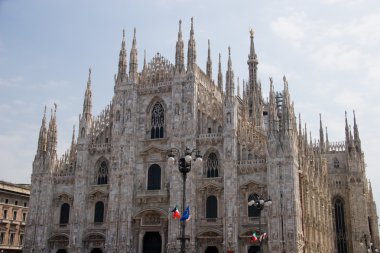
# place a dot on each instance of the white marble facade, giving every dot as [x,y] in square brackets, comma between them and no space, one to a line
[113,190]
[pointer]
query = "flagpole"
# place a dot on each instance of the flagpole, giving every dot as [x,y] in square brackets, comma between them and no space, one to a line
[184,166]
[183,224]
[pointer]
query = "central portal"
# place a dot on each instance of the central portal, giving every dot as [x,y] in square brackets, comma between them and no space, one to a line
[152,242]
[254,249]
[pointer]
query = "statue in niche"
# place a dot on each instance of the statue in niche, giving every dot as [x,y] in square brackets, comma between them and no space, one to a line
[176,109]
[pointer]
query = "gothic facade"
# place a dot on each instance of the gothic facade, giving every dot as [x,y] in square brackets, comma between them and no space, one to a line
[113,190]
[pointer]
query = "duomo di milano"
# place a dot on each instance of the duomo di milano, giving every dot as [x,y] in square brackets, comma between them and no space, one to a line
[113,190]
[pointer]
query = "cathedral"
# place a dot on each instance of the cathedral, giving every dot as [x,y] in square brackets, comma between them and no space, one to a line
[115,188]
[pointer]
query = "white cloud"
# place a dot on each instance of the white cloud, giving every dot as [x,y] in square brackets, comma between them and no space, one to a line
[291,28]
[11,82]
[351,99]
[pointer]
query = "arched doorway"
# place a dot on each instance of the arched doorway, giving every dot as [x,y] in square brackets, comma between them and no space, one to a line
[254,249]
[61,251]
[96,250]
[212,249]
[152,242]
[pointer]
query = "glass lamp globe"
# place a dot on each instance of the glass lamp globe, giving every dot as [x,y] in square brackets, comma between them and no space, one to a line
[188,158]
[171,160]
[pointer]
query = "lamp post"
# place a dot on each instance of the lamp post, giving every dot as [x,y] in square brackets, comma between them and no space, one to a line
[368,244]
[259,203]
[184,166]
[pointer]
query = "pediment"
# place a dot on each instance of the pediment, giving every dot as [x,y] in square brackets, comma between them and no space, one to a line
[64,197]
[253,186]
[210,233]
[59,238]
[154,153]
[211,186]
[97,194]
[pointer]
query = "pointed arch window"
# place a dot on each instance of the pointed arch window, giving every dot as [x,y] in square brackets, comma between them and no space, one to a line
[340,226]
[102,176]
[212,166]
[99,212]
[158,121]
[154,177]
[211,207]
[336,163]
[64,214]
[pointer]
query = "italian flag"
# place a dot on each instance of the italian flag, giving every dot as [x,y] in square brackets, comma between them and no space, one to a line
[254,237]
[176,214]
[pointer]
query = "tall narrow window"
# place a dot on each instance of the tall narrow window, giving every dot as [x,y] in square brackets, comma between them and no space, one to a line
[99,212]
[211,207]
[103,173]
[2,235]
[21,240]
[65,214]
[212,165]
[5,214]
[11,238]
[154,177]
[340,226]
[158,121]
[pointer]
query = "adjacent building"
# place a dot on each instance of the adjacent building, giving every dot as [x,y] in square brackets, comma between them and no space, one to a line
[14,206]
[113,190]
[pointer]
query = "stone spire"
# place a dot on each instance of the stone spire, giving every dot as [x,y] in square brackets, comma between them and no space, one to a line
[272,108]
[327,141]
[321,135]
[43,135]
[347,133]
[357,141]
[220,75]
[252,63]
[179,54]
[209,62]
[122,72]
[191,50]
[52,133]
[144,66]
[73,146]
[133,60]
[254,89]
[87,103]
[230,85]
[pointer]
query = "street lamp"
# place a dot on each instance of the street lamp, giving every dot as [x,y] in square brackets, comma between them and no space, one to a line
[259,203]
[184,166]
[368,244]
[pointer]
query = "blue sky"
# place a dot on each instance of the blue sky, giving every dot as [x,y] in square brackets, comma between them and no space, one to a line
[328,49]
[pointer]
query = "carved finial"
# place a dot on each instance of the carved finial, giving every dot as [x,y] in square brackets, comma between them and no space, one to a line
[55,107]
[123,33]
[271,80]
[229,51]
[134,32]
[284,78]
[180,24]
[251,32]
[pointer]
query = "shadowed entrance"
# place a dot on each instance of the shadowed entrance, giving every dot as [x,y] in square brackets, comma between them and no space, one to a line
[152,242]
[212,249]
[254,249]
